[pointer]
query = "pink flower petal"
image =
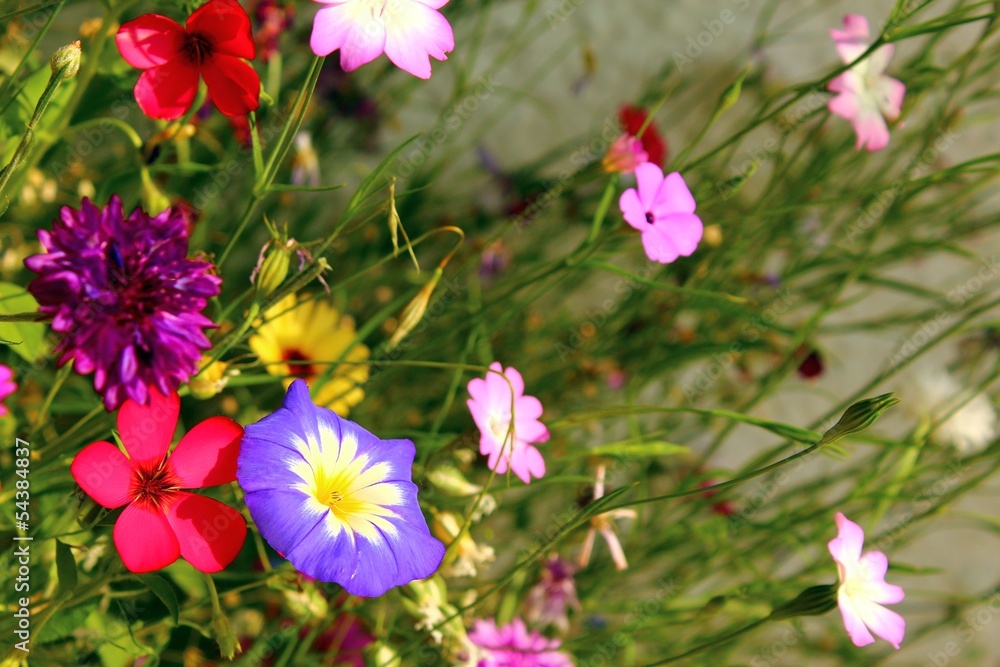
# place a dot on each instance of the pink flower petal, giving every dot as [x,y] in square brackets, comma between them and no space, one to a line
[144,539]
[659,246]
[673,197]
[649,179]
[684,230]
[853,40]
[873,566]
[415,33]
[206,455]
[104,473]
[167,91]
[226,25]
[149,40]
[352,28]
[855,627]
[147,430]
[885,623]
[632,210]
[233,85]
[846,547]
[871,129]
[210,533]
[889,94]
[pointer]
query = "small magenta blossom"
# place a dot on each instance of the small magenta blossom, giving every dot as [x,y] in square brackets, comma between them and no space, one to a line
[7,386]
[863,589]
[549,599]
[662,208]
[625,154]
[410,32]
[508,439]
[334,499]
[513,646]
[865,93]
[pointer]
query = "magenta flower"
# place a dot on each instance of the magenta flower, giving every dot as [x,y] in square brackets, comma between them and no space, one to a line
[410,32]
[508,439]
[513,646]
[7,387]
[863,589]
[662,208]
[125,298]
[625,154]
[865,93]
[549,599]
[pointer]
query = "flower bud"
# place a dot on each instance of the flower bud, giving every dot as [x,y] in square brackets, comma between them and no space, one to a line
[273,270]
[859,416]
[67,60]
[415,310]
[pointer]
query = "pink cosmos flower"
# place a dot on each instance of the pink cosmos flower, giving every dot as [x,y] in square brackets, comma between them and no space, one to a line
[662,208]
[410,32]
[865,93]
[513,646]
[624,155]
[507,438]
[863,589]
[162,523]
[7,386]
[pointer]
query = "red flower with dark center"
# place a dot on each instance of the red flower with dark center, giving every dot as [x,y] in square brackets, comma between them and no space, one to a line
[161,521]
[632,119]
[212,45]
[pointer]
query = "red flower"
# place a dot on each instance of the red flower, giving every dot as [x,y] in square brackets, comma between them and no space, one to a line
[161,522]
[632,118]
[212,44]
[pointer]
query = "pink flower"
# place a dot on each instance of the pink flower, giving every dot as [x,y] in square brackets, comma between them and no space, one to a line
[410,32]
[604,524]
[162,523]
[7,386]
[513,646]
[866,94]
[556,591]
[624,155]
[662,208]
[863,589]
[507,438]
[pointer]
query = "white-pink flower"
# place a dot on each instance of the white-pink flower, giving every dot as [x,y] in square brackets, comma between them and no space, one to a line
[865,93]
[863,589]
[662,208]
[508,423]
[410,32]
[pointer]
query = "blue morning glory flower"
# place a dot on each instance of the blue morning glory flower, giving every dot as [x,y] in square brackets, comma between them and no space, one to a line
[334,499]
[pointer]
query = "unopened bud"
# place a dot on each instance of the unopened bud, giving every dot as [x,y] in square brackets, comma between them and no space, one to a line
[273,270]
[414,311]
[859,416]
[67,60]
[229,645]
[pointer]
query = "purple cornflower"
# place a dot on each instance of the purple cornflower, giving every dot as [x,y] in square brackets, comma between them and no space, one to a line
[513,646]
[125,298]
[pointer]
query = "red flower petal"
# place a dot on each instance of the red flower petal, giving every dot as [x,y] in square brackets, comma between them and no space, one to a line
[166,92]
[146,430]
[633,118]
[210,533]
[233,85]
[144,539]
[150,40]
[104,473]
[206,456]
[226,25]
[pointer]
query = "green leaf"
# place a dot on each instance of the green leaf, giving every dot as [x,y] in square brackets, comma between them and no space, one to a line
[25,338]
[65,568]
[162,589]
[66,621]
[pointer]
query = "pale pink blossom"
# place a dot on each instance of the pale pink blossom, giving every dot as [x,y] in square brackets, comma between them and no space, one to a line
[508,423]
[409,32]
[865,93]
[662,208]
[863,589]
[604,524]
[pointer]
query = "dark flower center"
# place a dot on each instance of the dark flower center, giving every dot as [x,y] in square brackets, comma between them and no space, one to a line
[197,48]
[649,217]
[299,370]
[153,486]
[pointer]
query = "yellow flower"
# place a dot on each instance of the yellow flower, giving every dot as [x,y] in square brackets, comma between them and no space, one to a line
[312,335]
